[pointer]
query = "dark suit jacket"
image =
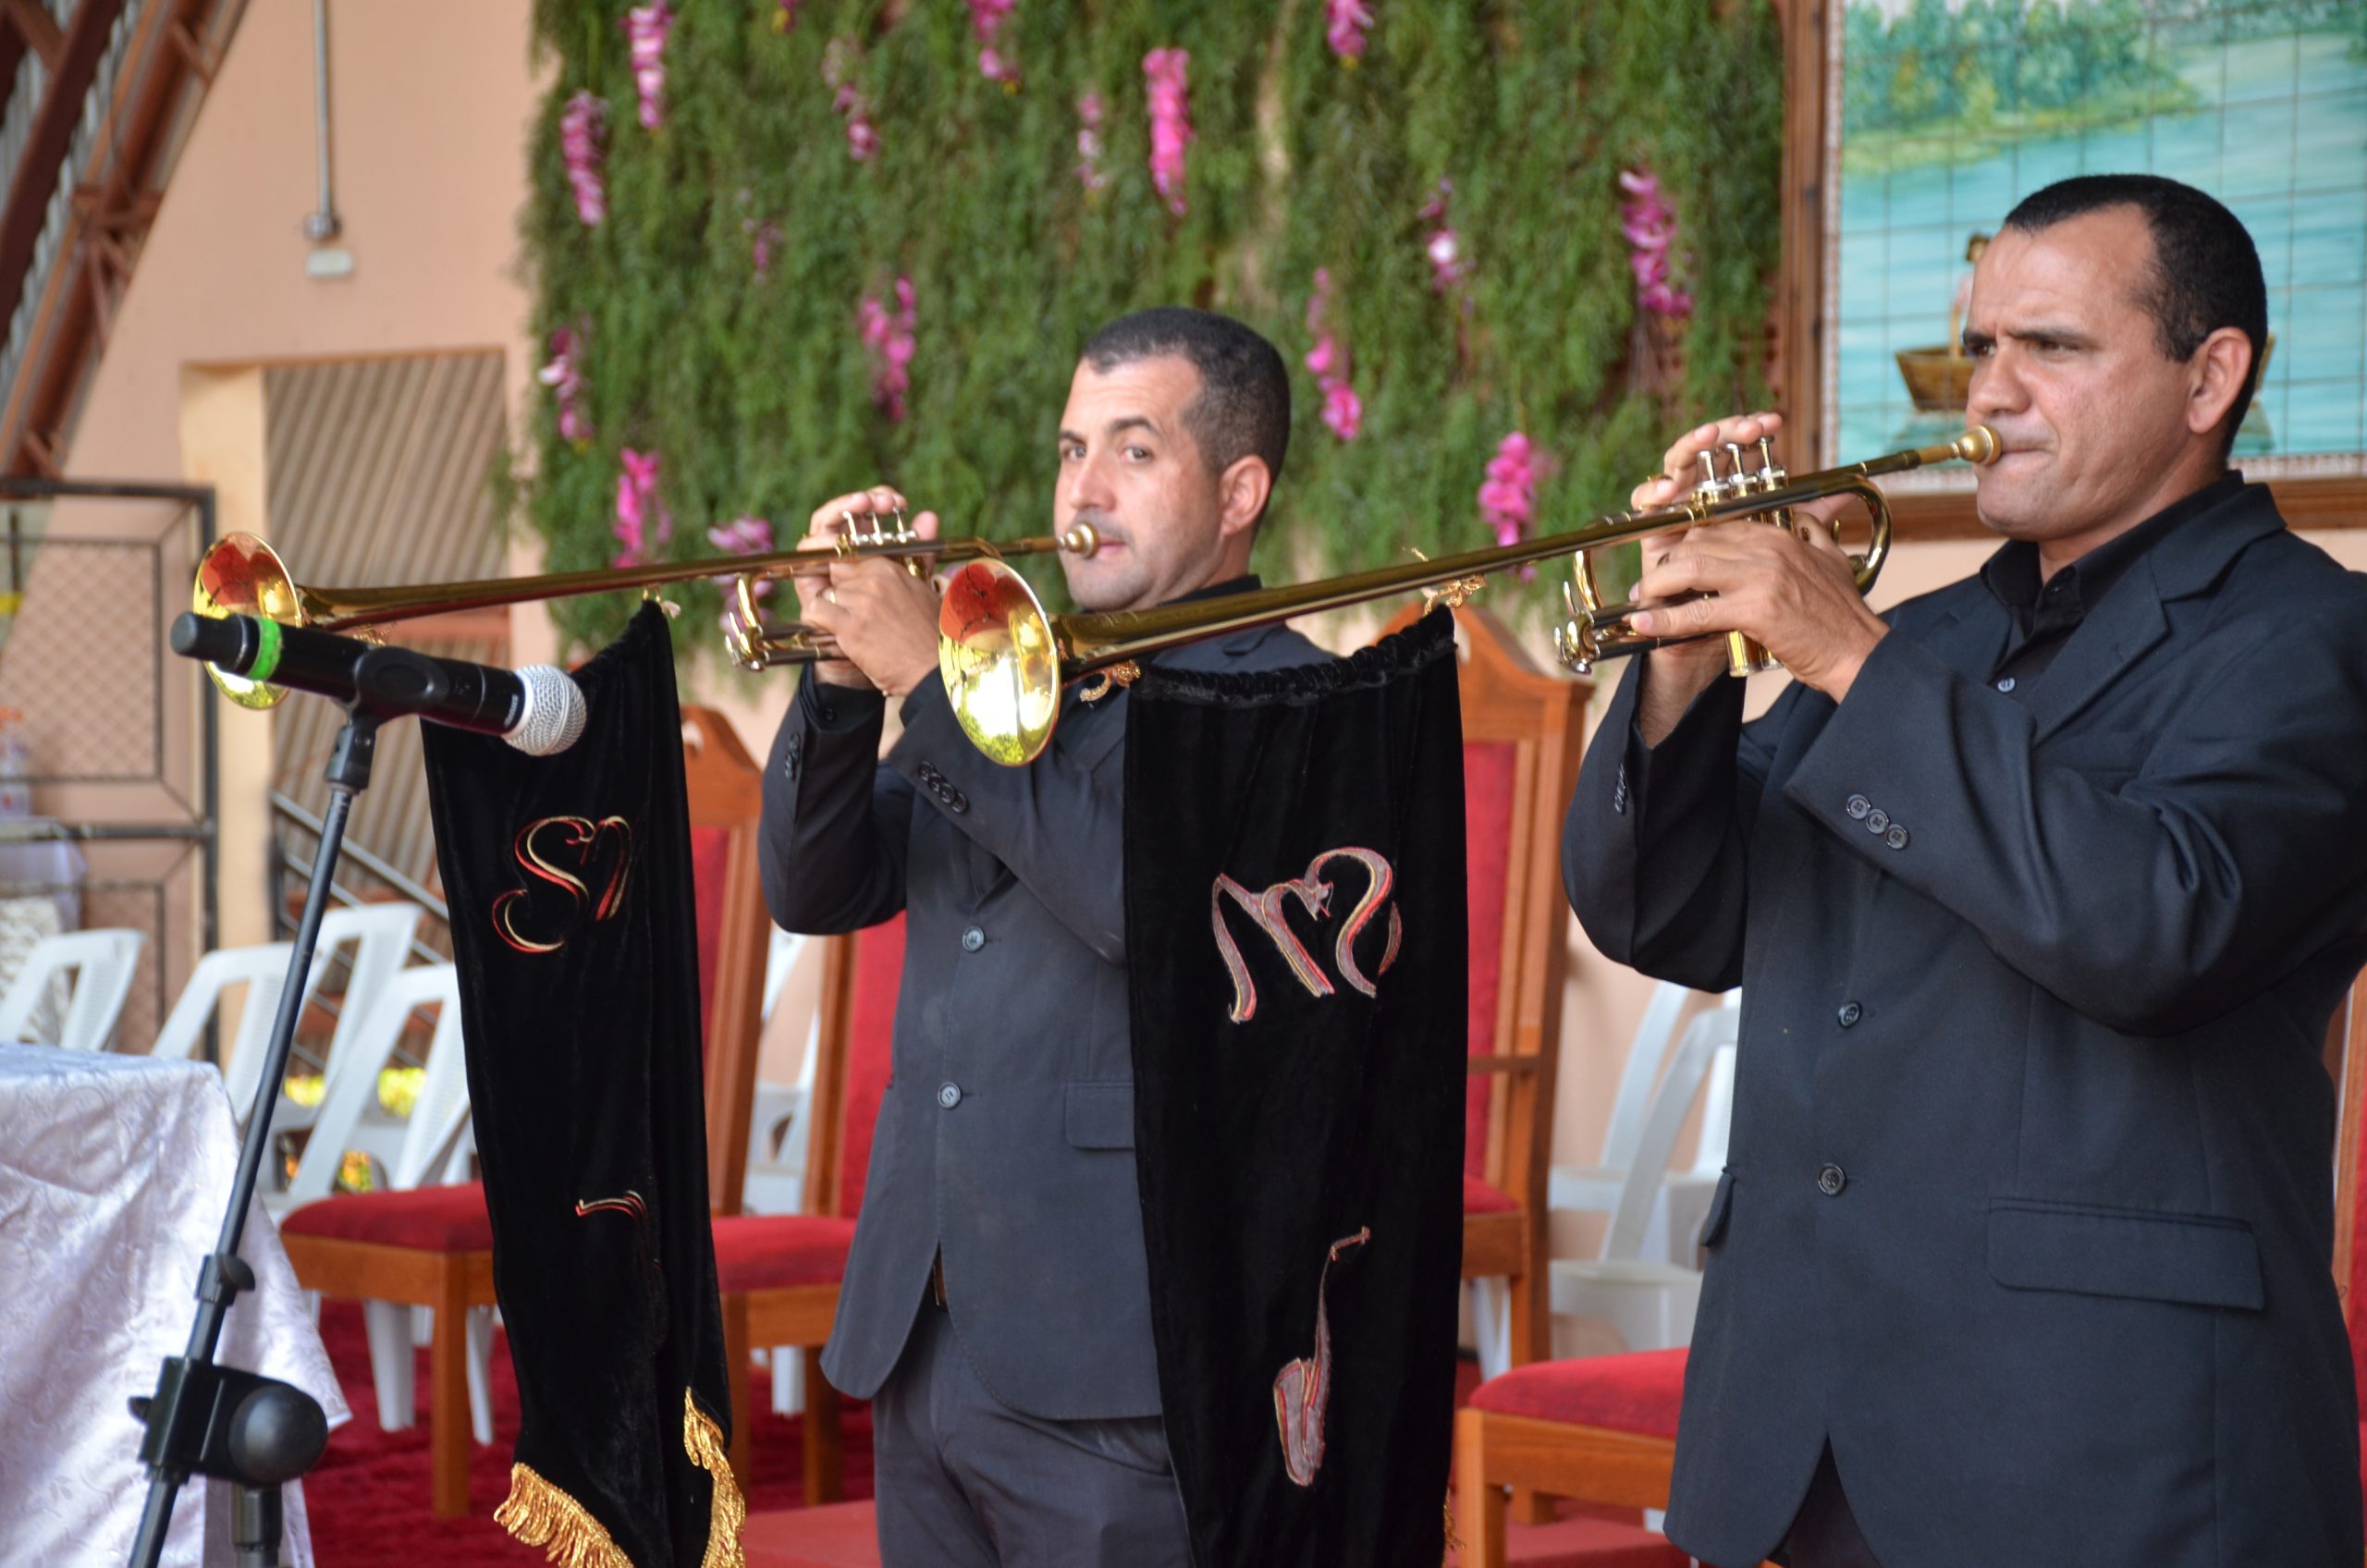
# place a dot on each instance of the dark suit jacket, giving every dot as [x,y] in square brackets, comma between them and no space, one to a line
[1006,1136]
[2029,1209]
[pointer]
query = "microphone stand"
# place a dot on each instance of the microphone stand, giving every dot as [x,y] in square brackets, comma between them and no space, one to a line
[204,1419]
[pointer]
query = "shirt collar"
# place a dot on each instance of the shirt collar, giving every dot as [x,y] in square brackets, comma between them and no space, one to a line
[2012,574]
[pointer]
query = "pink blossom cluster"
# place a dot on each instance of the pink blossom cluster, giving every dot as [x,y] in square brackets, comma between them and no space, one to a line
[1090,111]
[987,19]
[1442,245]
[1170,122]
[646,29]
[643,522]
[579,144]
[764,238]
[744,536]
[1508,495]
[1344,28]
[1344,412]
[1650,223]
[887,339]
[862,137]
[565,378]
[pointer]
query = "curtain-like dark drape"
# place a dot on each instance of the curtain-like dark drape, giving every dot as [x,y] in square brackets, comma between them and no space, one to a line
[572,924]
[1294,936]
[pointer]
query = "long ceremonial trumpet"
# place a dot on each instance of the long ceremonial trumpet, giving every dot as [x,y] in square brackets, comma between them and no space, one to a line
[1004,660]
[241,575]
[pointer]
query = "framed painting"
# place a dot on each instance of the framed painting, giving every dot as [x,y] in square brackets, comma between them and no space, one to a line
[1914,125]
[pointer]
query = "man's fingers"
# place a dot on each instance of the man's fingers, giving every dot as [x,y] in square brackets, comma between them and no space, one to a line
[925,526]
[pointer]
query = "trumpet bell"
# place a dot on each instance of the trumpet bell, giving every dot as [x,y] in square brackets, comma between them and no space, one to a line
[241,575]
[1000,661]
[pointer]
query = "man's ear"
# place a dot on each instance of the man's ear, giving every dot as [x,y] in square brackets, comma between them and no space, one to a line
[2222,369]
[1242,490]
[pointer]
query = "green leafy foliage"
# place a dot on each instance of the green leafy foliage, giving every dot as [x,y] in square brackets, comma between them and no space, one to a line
[756,392]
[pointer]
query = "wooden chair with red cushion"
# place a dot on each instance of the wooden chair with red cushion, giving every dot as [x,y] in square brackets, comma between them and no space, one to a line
[1524,733]
[433,1247]
[1603,1429]
[780,1273]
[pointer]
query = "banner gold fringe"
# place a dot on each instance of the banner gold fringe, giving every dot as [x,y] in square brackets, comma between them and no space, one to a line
[704,1441]
[540,1515]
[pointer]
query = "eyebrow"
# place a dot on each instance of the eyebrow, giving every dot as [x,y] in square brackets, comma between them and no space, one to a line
[1124,422]
[2066,336]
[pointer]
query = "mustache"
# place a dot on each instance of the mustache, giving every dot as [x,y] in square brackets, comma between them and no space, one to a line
[1101,525]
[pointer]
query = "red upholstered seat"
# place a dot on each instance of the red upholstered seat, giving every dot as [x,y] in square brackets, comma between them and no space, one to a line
[763,1252]
[443,1219]
[1480,1199]
[1637,1394]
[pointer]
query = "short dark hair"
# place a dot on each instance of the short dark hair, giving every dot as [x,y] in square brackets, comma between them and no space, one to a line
[1244,408]
[2206,272]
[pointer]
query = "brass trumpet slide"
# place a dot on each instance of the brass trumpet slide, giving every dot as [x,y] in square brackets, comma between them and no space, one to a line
[243,575]
[1005,659]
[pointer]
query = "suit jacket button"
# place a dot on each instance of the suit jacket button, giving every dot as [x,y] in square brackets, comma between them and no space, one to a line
[972,939]
[1829,1180]
[2006,684]
[961,803]
[1849,1014]
[949,1094]
[1896,837]
[1857,807]
[1877,819]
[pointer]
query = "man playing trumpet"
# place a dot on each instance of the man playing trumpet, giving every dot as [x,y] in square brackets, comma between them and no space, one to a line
[997,1310]
[2041,888]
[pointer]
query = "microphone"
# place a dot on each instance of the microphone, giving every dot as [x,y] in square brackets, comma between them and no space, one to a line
[537,709]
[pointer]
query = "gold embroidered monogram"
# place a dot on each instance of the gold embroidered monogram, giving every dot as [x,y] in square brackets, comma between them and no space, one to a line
[1314,895]
[554,849]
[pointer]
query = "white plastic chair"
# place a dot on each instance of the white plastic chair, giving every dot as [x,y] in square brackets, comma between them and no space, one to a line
[381,935]
[103,963]
[1650,1305]
[262,969]
[1596,1187]
[777,1133]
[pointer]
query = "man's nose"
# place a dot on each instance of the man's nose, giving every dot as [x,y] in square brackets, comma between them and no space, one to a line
[1996,386]
[1087,484]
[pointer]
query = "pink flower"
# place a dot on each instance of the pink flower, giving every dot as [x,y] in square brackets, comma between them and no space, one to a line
[1649,224]
[1344,28]
[764,236]
[565,379]
[579,144]
[1170,122]
[646,29]
[1089,172]
[1508,495]
[838,63]
[1344,412]
[887,339]
[1442,245]
[744,536]
[643,522]
[987,19]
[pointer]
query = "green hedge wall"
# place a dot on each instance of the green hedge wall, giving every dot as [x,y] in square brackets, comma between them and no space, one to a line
[756,392]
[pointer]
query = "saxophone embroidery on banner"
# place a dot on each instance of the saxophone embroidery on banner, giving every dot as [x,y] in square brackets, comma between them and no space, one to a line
[1314,895]
[1304,1387]
[544,849]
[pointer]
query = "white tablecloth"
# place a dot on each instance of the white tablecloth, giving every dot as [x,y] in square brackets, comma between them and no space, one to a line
[113,1171]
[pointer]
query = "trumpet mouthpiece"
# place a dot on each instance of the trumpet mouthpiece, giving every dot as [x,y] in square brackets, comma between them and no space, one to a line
[1080,539]
[1978,444]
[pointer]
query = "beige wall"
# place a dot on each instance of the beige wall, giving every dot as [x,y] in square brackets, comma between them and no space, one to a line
[433,101]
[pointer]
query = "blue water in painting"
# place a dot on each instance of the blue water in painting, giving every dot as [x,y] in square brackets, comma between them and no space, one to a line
[2284,144]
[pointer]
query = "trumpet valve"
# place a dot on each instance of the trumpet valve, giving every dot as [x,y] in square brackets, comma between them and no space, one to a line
[1771,474]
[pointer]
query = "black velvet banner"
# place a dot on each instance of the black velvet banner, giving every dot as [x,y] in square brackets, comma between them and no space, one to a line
[570,883]
[1295,939]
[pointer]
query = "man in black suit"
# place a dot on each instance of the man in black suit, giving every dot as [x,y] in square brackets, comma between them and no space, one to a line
[2041,890]
[996,1309]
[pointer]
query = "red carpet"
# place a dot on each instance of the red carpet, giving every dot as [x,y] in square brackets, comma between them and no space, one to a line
[368,1498]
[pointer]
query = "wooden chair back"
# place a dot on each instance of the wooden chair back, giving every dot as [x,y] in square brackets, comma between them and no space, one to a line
[725,790]
[856,1035]
[2347,1059]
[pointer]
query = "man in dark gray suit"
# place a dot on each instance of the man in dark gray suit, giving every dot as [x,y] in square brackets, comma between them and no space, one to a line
[2040,889]
[996,1309]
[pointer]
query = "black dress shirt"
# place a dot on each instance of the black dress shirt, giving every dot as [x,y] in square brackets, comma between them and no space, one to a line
[2046,614]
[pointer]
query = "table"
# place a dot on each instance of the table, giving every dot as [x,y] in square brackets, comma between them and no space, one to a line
[113,1171]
